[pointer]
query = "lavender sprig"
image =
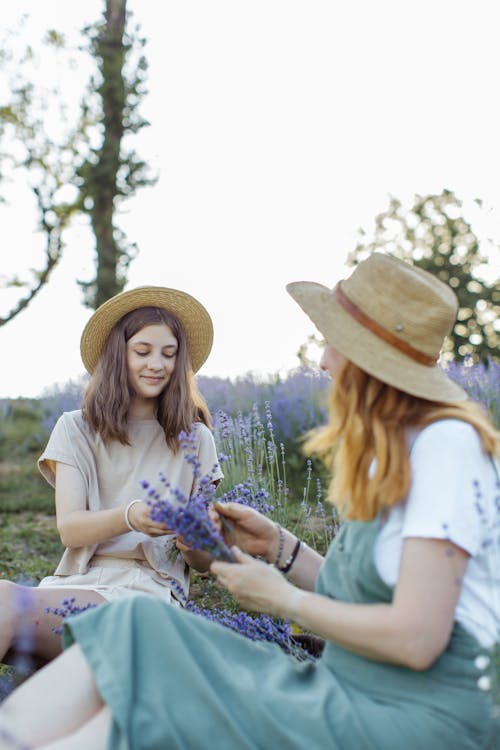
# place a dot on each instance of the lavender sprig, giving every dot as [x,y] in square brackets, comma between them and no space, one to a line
[188,517]
[67,609]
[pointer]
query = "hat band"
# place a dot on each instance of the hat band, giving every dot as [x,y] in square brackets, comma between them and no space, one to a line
[380,331]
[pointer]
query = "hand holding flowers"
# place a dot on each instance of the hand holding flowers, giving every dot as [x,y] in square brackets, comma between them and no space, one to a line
[139,519]
[256,585]
[246,528]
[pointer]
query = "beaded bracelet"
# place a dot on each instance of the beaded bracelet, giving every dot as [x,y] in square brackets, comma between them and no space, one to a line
[132,502]
[281,544]
[288,563]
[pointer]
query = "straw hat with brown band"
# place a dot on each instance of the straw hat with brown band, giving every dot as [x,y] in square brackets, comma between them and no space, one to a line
[390,318]
[193,317]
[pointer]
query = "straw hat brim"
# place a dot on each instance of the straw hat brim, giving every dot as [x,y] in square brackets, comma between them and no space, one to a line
[193,317]
[368,351]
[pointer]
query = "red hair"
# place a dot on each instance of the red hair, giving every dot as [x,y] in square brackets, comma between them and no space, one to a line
[368,421]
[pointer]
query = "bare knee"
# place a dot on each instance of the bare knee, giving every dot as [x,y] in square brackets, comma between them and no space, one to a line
[8,598]
[9,614]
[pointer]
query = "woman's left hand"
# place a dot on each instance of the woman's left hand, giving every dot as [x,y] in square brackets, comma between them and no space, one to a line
[257,586]
[181,544]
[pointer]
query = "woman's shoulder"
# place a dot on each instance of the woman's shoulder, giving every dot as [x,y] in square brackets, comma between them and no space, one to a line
[454,433]
[73,423]
[72,418]
[450,446]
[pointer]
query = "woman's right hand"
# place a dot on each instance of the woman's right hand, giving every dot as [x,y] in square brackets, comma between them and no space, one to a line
[247,529]
[139,517]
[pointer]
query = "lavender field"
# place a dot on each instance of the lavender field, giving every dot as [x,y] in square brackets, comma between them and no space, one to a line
[258,428]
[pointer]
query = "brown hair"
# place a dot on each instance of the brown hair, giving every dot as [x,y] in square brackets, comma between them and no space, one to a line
[106,400]
[368,420]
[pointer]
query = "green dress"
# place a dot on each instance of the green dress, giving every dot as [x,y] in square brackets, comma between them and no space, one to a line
[176,681]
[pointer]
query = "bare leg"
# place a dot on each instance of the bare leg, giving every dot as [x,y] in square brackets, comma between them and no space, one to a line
[93,734]
[22,614]
[54,703]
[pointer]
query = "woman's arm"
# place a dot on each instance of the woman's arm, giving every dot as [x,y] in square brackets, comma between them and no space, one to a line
[411,631]
[78,526]
[259,536]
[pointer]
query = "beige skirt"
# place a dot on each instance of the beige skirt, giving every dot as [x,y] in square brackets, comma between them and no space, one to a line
[114,578]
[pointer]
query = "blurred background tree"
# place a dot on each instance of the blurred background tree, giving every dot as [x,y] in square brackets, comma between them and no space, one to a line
[84,167]
[434,235]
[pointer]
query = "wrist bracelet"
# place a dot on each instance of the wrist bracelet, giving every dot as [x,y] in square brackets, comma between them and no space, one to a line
[281,544]
[288,563]
[132,502]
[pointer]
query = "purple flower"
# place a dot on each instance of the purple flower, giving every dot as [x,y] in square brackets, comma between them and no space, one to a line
[192,522]
[481,380]
[244,494]
[67,609]
[259,628]
[188,517]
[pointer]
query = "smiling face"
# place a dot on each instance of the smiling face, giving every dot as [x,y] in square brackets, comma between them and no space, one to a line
[151,357]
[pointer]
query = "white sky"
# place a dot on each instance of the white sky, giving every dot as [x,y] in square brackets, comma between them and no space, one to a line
[278,128]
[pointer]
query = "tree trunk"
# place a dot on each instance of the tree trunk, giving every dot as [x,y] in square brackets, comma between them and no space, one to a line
[111,50]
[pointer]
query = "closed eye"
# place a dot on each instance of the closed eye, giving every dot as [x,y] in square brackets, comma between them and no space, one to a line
[167,356]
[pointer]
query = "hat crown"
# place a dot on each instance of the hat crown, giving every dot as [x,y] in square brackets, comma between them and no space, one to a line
[408,302]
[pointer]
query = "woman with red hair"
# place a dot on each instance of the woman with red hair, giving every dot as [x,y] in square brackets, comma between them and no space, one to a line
[407,598]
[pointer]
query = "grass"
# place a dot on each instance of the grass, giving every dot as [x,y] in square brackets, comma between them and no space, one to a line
[30,547]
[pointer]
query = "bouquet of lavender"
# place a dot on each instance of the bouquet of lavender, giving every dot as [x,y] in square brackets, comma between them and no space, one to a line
[189,518]
[193,524]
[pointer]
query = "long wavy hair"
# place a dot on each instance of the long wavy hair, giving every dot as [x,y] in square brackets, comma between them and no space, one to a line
[107,398]
[368,421]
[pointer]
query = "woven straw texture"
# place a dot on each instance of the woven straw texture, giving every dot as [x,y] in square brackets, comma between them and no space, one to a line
[404,300]
[193,316]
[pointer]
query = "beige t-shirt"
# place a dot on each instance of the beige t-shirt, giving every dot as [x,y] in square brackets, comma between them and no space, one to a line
[113,472]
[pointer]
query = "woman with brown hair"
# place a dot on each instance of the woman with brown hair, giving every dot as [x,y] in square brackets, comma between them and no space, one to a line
[407,598]
[141,348]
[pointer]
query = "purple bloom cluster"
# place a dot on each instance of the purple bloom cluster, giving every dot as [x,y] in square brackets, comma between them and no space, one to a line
[188,517]
[67,609]
[245,494]
[481,380]
[193,524]
[23,645]
[299,399]
[259,628]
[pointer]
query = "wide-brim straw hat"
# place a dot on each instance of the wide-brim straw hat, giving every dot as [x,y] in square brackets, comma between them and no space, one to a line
[193,317]
[390,318]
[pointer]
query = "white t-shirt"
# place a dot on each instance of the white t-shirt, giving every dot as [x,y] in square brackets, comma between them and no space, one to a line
[454,495]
